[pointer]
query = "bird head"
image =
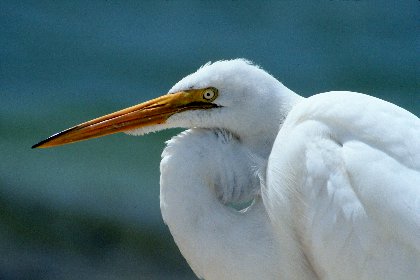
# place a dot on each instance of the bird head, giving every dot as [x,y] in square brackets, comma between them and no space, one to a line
[234,95]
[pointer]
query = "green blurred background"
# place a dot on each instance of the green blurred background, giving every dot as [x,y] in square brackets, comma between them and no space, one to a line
[91,210]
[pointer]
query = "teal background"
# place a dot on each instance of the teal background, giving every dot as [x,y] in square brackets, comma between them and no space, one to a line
[91,210]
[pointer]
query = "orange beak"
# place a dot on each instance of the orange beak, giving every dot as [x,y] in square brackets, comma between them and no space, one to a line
[152,112]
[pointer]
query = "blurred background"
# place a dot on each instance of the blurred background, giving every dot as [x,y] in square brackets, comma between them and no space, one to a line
[91,210]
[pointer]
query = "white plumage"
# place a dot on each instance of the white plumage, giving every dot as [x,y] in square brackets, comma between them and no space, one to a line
[349,163]
[334,178]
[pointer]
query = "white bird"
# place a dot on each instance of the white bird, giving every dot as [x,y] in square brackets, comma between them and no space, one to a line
[334,178]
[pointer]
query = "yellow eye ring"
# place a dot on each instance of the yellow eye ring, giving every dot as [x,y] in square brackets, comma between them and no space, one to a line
[210,94]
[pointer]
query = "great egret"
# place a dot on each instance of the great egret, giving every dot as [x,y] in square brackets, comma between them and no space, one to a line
[334,178]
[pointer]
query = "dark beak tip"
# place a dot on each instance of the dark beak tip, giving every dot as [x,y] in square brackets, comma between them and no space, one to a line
[37,145]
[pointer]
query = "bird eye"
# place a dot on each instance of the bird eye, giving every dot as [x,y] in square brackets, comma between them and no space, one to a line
[210,94]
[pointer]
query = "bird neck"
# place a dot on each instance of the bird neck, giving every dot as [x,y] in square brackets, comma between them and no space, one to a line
[214,238]
[197,169]
[261,128]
